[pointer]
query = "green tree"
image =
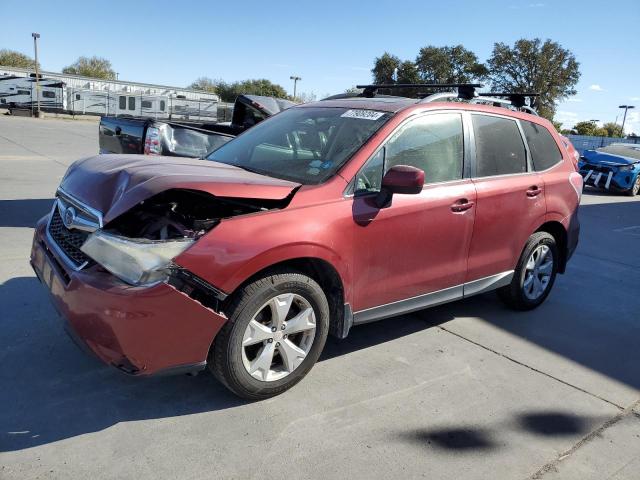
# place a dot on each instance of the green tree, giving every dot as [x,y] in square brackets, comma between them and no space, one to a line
[557,125]
[449,65]
[229,91]
[586,128]
[353,90]
[204,84]
[384,68]
[95,67]
[534,66]
[11,58]
[613,129]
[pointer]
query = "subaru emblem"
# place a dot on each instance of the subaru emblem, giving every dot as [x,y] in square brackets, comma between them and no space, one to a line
[69,217]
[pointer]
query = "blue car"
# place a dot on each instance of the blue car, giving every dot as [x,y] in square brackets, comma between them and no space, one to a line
[615,168]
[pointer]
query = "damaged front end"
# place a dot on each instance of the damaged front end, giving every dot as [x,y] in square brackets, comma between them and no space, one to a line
[139,246]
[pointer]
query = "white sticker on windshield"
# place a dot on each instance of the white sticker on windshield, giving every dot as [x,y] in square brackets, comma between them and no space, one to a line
[362,114]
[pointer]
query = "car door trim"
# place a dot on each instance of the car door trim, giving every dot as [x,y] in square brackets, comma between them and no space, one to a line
[432,299]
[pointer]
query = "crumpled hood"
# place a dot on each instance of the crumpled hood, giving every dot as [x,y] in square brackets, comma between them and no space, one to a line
[602,158]
[113,184]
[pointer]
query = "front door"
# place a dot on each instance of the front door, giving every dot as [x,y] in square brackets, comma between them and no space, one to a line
[419,244]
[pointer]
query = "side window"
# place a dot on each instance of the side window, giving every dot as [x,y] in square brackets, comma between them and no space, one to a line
[499,146]
[77,96]
[24,92]
[369,178]
[433,143]
[162,105]
[544,149]
[132,103]
[49,94]
[122,103]
[146,104]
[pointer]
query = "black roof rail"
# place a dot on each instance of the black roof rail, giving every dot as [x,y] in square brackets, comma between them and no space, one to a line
[465,90]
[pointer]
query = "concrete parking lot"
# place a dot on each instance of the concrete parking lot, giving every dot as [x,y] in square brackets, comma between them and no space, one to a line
[467,390]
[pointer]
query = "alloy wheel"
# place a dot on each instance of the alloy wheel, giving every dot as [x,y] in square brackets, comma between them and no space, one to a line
[279,337]
[538,272]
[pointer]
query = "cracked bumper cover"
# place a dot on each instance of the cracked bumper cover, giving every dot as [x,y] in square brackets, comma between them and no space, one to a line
[140,330]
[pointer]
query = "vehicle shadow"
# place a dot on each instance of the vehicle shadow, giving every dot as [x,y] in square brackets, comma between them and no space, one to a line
[23,212]
[471,438]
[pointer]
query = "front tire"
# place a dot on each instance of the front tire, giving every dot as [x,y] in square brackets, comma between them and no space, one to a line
[276,331]
[534,275]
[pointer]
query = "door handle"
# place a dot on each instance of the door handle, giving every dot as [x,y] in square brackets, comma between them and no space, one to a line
[461,205]
[534,191]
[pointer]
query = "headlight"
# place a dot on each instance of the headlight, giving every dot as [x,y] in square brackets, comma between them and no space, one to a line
[627,168]
[136,262]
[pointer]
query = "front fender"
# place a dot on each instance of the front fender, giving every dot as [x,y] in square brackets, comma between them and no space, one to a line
[240,247]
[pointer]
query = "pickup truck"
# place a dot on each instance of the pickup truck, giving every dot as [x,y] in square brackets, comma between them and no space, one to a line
[150,136]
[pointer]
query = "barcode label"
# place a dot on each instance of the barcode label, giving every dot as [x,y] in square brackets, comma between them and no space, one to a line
[362,114]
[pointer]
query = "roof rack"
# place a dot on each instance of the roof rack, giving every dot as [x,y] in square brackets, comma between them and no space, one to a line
[465,90]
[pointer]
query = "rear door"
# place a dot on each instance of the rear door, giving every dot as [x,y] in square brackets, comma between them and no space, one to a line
[510,196]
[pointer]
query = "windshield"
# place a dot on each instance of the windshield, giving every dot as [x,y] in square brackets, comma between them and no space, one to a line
[306,145]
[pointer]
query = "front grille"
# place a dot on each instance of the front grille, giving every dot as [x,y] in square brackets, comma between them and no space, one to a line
[69,241]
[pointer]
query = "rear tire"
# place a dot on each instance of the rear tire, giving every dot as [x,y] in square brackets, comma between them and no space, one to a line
[276,331]
[534,275]
[635,189]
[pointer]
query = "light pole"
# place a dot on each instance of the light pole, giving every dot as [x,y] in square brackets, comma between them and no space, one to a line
[624,118]
[295,81]
[36,36]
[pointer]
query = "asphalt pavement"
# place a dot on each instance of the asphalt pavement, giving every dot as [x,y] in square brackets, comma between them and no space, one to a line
[466,390]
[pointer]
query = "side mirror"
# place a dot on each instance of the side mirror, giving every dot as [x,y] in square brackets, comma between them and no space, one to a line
[402,179]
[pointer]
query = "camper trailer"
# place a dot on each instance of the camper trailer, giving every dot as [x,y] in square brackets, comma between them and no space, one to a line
[104,97]
[21,92]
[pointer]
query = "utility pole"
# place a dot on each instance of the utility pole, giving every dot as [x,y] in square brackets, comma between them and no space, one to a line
[36,36]
[624,118]
[295,82]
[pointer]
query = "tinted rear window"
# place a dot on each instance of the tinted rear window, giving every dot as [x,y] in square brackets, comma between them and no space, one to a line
[544,149]
[499,146]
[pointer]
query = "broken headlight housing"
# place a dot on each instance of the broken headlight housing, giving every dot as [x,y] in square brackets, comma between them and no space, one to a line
[136,261]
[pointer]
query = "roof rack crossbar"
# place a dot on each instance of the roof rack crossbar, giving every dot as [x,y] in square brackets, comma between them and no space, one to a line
[465,89]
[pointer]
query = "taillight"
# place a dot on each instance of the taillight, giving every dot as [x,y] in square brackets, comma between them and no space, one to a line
[152,142]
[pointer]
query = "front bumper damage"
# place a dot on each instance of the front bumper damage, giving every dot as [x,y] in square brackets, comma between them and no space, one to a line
[139,330]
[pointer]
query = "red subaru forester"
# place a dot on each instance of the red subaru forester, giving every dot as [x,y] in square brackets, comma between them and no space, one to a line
[325,216]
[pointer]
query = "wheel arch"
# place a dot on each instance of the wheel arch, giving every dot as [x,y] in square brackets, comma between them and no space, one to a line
[326,275]
[559,233]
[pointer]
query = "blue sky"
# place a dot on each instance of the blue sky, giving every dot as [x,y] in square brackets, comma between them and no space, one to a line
[330,44]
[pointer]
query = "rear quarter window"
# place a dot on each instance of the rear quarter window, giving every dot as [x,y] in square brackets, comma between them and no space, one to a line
[499,146]
[544,149]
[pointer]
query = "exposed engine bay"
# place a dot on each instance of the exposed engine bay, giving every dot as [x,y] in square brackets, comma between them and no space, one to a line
[175,214]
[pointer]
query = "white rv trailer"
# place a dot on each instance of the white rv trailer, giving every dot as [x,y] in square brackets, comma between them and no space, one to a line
[82,95]
[21,92]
